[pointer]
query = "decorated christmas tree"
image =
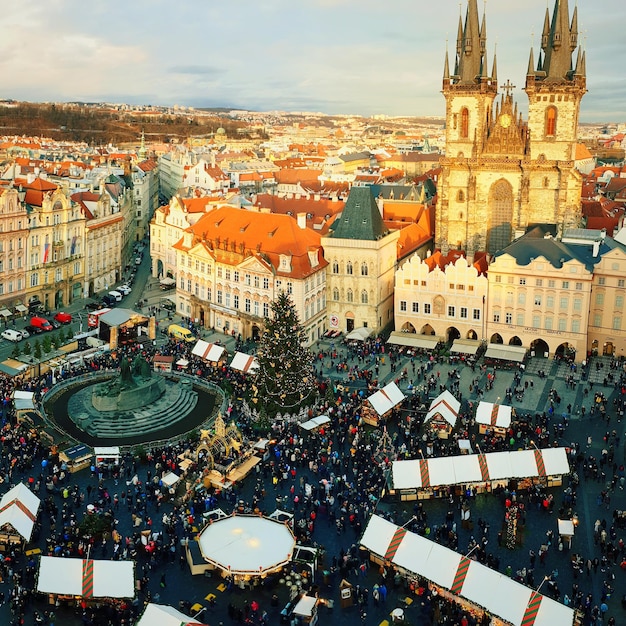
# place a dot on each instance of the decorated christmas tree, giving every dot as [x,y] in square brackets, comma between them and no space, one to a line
[285,381]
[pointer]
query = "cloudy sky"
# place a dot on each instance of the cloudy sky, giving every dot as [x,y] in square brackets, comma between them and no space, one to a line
[335,56]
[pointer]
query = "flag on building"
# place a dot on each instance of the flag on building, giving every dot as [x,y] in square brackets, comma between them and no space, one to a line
[46,252]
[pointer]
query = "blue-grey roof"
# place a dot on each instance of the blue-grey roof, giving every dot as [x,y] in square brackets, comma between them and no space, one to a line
[360,218]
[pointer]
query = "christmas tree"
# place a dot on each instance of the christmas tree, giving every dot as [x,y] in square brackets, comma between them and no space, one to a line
[285,381]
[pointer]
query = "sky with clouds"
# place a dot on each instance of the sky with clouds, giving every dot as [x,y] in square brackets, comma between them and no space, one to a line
[336,56]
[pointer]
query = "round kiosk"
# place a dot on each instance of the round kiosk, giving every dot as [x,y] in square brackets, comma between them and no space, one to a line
[247,545]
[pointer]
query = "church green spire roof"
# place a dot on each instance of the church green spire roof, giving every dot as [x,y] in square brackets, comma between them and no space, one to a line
[361,218]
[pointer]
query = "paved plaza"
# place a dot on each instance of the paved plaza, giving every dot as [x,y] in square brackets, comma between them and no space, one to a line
[547,392]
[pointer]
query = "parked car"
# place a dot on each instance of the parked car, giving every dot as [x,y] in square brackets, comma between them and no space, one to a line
[93,306]
[108,301]
[41,322]
[33,330]
[11,335]
[25,333]
[123,289]
[63,318]
[54,323]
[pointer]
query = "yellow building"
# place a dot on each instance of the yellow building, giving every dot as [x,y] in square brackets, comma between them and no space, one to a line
[361,253]
[540,290]
[232,263]
[56,245]
[501,174]
[13,242]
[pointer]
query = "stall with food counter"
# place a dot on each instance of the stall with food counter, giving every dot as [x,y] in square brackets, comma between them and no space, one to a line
[380,405]
[493,417]
[442,415]
[18,513]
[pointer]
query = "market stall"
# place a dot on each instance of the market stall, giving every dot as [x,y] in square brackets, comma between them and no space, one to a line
[413,340]
[162,363]
[86,578]
[77,457]
[24,402]
[442,415]
[244,363]
[505,354]
[18,512]
[566,528]
[107,455]
[380,405]
[163,615]
[426,478]
[315,423]
[246,546]
[493,417]
[461,579]
[208,351]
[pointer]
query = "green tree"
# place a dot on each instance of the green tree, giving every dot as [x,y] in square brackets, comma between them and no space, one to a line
[46,344]
[285,381]
[61,337]
[16,350]
[27,349]
[37,350]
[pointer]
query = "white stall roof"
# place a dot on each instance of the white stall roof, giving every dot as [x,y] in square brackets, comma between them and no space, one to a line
[386,398]
[18,509]
[24,400]
[498,415]
[163,615]
[110,579]
[244,363]
[566,527]
[207,351]
[506,353]
[413,340]
[446,406]
[109,451]
[305,606]
[465,346]
[500,595]
[465,469]
[315,422]
[359,334]
[170,479]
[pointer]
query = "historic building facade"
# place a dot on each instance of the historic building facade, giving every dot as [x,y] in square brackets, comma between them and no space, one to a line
[501,174]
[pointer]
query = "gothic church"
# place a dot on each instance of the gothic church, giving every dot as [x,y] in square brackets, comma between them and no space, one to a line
[500,174]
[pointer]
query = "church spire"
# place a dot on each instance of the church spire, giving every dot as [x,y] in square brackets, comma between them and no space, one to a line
[494,69]
[531,64]
[471,56]
[446,68]
[560,43]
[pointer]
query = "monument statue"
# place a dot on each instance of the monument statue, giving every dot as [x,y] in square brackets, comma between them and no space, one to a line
[133,387]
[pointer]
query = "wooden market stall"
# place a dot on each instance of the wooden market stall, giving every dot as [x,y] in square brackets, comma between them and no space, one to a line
[208,351]
[77,457]
[428,478]
[380,405]
[162,363]
[476,587]
[164,615]
[245,363]
[493,417]
[442,415]
[18,513]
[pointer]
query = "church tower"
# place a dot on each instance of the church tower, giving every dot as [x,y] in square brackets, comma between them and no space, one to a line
[499,173]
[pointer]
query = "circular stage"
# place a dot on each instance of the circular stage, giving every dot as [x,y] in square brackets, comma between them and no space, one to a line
[247,544]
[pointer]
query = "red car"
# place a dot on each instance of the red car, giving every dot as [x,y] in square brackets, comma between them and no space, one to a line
[63,318]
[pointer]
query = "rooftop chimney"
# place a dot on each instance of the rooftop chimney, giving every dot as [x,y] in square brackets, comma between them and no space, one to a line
[301,217]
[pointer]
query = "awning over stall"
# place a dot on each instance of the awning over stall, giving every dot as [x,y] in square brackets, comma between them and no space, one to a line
[359,334]
[498,415]
[466,469]
[386,398]
[18,509]
[446,406]
[464,577]
[506,353]
[315,422]
[413,340]
[163,615]
[465,346]
[244,363]
[23,400]
[208,351]
[21,308]
[5,313]
[86,578]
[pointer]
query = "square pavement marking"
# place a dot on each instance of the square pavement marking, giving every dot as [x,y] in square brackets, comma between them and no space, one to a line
[210,597]
[196,607]
[33,551]
[221,587]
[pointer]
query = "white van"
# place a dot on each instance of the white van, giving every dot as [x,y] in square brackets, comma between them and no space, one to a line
[12,335]
[117,295]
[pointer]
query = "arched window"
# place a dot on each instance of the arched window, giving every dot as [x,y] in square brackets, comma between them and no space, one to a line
[550,121]
[464,123]
[336,294]
[349,267]
[350,296]
[363,269]
[364,297]
[335,267]
[460,196]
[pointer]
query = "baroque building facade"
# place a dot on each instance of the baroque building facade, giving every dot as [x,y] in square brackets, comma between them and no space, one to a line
[501,174]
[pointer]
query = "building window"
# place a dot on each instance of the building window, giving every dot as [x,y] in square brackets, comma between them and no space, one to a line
[550,302]
[364,297]
[451,311]
[335,267]
[256,308]
[539,282]
[246,305]
[551,284]
[597,319]
[266,283]
[575,326]
[227,299]
[601,280]
[565,284]
[508,318]
[289,287]
[415,307]
[599,299]
[522,281]
[464,123]
[617,323]
[460,196]
[563,303]
[521,298]
[350,296]
[463,312]
[579,286]
[498,279]
[619,302]
[349,268]
[562,323]
[403,305]
[519,319]
[548,323]
[578,304]
[427,308]
[219,296]
[538,300]
[363,269]
[550,121]
[620,282]
[247,279]
[336,294]
[235,276]
[496,318]
[476,314]
[451,286]
[536,321]
[219,272]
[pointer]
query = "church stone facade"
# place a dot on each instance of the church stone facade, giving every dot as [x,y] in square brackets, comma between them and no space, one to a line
[501,174]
